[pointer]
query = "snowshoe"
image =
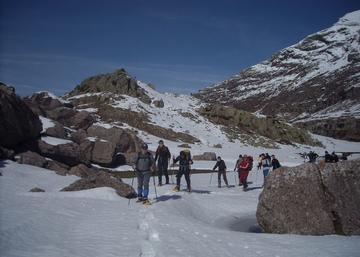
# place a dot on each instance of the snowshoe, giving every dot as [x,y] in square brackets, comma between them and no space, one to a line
[147,202]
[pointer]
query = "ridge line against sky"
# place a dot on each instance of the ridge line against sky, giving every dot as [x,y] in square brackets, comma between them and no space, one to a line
[180,46]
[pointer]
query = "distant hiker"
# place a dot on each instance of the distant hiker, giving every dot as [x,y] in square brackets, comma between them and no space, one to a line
[220,164]
[344,157]
[328,157]
[265,163]
[144,165]
[312,156]
[259,162]
[185,161]
[334,157]
[162,157]
[244,168]
[238,162]
[275,162]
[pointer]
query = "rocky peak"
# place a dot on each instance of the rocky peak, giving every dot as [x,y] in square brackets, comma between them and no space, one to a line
[118,82]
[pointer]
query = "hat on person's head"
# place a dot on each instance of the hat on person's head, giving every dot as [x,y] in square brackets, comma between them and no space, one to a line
[218,157]
[240,156]
[161,142]
[144,146]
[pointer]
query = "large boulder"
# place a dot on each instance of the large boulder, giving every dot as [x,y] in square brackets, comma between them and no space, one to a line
[103,152]
[82,171]
[207,156]
[65,153]
[312,199]
[59,168]
[32,158]
[18,123]
[57,131]
[126,143]
[102,179]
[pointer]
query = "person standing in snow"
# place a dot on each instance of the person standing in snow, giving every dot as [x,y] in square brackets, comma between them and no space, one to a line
[238,161]
[244,167]
[220,164]
[334,157]
[144,165]
[162,157]
[275,162]
[185,161]
[265,163]
[327,157]
[259,162]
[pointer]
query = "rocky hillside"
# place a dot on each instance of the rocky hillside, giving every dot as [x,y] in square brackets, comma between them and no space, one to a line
[315,79]
[172,117]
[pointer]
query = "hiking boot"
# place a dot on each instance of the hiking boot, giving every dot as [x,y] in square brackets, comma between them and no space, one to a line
[160,184]
[139,200]
[167,182]
[189,189]
[219,186]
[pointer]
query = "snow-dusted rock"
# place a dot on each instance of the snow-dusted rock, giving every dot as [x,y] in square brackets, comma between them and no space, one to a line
[312,199]
[102,179]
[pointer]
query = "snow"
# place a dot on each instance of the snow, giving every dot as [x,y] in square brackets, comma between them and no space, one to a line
[46,123]
[90,110]
[55,141]
[209,222]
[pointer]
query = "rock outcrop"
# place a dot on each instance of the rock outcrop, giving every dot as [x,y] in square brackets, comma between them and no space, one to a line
[102,179]
[32,158]
[237,122]
[18,124]
[207,156]
[312,199]
[118,82]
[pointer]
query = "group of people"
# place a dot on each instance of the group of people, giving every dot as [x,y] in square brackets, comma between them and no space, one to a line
[145,164]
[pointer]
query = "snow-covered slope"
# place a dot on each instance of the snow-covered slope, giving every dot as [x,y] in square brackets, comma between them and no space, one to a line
[318,75]
[210,222]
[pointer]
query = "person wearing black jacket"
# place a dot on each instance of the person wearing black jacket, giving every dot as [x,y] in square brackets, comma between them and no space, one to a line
[328,157]
[220,164]
[275,163]
[162,157]
[185,161]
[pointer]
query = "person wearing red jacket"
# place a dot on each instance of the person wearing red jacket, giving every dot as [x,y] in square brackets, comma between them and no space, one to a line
[244,167]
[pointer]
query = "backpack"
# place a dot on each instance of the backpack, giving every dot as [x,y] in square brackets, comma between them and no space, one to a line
[251,161]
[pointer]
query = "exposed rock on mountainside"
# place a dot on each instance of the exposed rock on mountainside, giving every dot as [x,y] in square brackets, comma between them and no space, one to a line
[102,179]
[118,82]
[319,74]
[18,123]
[312,199]
[237,122]
[346,128]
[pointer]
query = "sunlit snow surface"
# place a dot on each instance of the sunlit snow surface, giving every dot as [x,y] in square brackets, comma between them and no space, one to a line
[209,222]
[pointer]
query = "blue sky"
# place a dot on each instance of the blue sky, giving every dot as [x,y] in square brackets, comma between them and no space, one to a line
[180,46]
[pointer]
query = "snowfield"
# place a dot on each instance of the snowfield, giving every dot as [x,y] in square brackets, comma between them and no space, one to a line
[209,222]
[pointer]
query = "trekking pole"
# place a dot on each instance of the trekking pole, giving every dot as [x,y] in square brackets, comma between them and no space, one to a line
[132,184]
[156,196]
[235,178]
[211,177]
